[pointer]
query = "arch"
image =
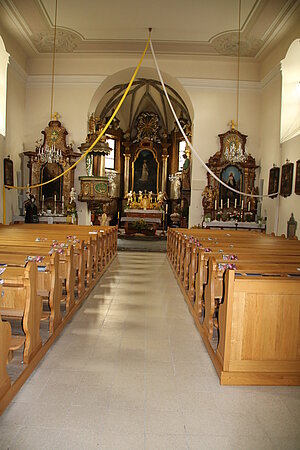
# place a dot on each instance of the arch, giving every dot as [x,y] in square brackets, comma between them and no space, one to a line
[290,95]
[122,77]
[4,59]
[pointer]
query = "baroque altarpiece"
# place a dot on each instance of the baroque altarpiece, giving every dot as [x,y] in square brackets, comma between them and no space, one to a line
[236,168]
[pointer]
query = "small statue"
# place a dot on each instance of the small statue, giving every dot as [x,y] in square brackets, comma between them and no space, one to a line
[186,173]
[177,187]
[252,200]
[72,216]
[129,197]
[140,197]
[208,198]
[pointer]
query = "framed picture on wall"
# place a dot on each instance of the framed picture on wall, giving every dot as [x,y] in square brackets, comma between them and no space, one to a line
[286,179]
[274,181]
[8,172]
[297,182]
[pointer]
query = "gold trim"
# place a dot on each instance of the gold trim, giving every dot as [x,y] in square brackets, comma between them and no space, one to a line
[132,167]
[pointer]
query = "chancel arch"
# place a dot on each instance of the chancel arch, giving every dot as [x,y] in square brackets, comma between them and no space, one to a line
[146,140]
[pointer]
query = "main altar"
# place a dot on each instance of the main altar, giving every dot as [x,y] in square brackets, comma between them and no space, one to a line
[145,213]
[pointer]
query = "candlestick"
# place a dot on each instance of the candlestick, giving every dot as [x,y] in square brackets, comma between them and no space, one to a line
[242,205]
[221,203]
[228,203]
[235,203]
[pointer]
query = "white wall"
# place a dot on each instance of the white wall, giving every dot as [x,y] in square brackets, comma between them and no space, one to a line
[213,109]
[290,150]
[12,144]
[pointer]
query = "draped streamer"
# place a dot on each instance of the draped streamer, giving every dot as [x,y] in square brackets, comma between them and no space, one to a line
[194,151]
[91,147]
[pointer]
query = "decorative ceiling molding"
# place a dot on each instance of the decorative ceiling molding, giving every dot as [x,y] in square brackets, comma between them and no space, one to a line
[66,41]
[227,45]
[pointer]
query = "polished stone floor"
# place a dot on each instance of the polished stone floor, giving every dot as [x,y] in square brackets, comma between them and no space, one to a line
[131,372]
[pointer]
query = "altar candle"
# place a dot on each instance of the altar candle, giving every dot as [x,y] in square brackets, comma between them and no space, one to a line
[228,203]
[215,205]
[221,203]
[242,205]
[55,198]
[235,202]
[167,208]
[248,206]
[43,198]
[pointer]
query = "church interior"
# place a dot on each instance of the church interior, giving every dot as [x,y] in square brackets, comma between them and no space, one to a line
[191,339]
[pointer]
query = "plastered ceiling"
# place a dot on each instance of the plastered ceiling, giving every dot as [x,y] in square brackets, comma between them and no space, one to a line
[179,27]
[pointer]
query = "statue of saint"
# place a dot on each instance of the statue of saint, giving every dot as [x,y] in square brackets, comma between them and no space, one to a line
[208,198]
[145,172]
[177,186]
[186,174]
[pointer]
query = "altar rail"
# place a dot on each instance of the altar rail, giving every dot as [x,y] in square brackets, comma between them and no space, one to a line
[243,290]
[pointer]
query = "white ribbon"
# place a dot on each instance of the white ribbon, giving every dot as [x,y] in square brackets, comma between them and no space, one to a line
[194,151]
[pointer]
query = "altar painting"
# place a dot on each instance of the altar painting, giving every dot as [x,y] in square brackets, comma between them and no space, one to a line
[232,176]
[145,172]
[48,172]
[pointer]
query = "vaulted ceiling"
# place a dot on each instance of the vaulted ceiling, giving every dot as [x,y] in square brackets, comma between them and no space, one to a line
[205,27]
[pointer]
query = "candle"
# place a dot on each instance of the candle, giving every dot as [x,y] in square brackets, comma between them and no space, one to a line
[43,198]
[248,206]
[228,203]
[167,208]
[55,198]
[118,215]
[215,205]
[221,203]
[235,202]
[242,206]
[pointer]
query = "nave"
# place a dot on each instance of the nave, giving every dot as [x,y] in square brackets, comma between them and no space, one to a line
[130,371]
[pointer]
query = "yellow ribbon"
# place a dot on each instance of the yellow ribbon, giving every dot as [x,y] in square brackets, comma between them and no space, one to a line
[91,147]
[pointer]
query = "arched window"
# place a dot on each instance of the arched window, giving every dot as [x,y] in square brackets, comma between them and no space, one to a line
[290,104]
[4,58]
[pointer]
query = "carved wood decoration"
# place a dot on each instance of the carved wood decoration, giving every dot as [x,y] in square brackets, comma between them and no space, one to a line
[237,169]
[56,134]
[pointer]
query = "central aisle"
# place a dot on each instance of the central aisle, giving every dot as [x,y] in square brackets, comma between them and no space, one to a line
[131,372]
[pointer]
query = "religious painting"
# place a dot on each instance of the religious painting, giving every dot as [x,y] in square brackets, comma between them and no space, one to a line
[274,181]
[8,172]
[286,179]
[48,172]
[233,177]
[145,172]
[297,182]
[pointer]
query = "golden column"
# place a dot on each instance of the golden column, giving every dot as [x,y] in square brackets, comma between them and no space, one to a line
[127,156]
[164,174]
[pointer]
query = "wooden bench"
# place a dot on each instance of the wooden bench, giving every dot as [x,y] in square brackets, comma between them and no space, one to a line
[20,300]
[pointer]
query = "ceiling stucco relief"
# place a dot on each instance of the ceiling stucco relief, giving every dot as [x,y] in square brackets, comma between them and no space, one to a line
[227,45]
[66,41]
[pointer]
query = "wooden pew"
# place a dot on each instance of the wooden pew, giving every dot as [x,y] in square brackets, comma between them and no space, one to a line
[48,282]
[259,331]
[5,337]
[20,301]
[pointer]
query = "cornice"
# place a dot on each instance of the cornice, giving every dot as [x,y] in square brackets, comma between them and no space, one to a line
[17,69]
[59,80]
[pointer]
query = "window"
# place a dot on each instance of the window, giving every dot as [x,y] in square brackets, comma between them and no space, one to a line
[110,159]
[290,102]
[181,152]
[4,57]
